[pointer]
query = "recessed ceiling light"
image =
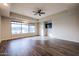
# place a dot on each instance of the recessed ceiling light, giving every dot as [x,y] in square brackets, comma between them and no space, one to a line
[5,4]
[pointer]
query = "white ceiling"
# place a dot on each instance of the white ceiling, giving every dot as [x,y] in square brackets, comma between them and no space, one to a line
[4,9]
[27,8]
[49,8]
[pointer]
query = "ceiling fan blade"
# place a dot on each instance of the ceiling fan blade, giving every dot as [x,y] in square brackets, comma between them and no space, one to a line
[35,14]
[34,11]
[42,13]
[39,10]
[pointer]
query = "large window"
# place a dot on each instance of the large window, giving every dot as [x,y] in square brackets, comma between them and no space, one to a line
[24,28]
[31,28]
[18,28]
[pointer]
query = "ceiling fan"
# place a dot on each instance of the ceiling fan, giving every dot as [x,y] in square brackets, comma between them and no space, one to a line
[38,12]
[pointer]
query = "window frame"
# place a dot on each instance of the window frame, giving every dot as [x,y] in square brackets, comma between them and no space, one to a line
[32,24]
[21,23]
[16,23]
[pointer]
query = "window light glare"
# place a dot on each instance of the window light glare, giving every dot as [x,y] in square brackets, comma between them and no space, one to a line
[5,4]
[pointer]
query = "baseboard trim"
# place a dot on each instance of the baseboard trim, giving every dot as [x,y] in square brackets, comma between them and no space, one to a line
[64,39]
[19,38]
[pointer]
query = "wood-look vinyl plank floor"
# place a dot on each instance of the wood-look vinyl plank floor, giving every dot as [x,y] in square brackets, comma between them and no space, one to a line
[33,47]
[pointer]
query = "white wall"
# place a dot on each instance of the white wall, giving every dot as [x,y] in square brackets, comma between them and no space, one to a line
[0,28]
[42,29]
[65,25]
[6,30]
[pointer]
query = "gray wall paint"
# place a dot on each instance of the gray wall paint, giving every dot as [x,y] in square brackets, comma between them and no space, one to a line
[65,25]
[0,28]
